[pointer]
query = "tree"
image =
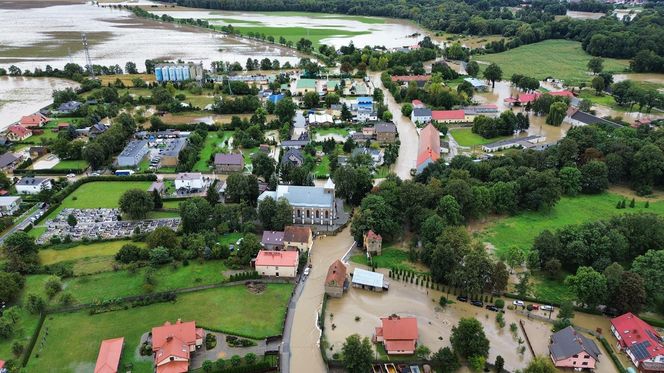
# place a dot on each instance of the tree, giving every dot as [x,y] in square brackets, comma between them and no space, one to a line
[136,203]
[422,352]
[242,188]
[248,249]
[12,283]
[158,256]
[352,184]
[377,215]
[557,112]
[468,338]
[472,68]
[588,285]
[552,267]
[34,303]
[650,266]
[445,361]
[598,85]
[21,252]
[515,256]
[648,164]
[523,286]
[71,220]
[346,115]
[570,180]
[285,110]
[311,100]
[162,237]
[95,155]
[493,73]
[263,166]
[406,109]
[499,364]
[130,253]
[448,208]
[630,295]
[500,277]
[357,354]
[52,286]
[130,68]
[540,364]
[596,65]
[594,177]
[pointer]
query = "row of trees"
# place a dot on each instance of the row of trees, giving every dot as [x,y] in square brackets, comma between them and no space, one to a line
[505,125]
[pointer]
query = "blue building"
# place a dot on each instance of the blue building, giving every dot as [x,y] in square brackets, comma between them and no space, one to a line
[274,98]
[365,104]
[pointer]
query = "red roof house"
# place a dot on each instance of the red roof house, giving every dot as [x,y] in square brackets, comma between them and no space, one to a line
[2,364]
[34,120]
[173,344]
[429,147]
[417,104]
[335,281]
[18,133]
[398,335]
[411,78]
[448,115]
[523,98]
[640,341]
[277,263]
[108,359]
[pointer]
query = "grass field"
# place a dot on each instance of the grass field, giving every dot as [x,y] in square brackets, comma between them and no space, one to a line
[125,78]
[296,33]
[466,137]
[23,330]
[116,284]
[332,131]
[96,249]
[521,229]
[323,168]
[229,238]
[232,309]
[561,59]
[390,257]
[100,194]
[71,165]
[213,144]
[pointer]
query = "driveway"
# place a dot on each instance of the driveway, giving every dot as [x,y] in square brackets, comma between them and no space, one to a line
[223,351]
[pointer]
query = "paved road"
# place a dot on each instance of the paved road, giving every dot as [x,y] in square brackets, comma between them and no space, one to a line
[286,345]
[22,224]
[408,134]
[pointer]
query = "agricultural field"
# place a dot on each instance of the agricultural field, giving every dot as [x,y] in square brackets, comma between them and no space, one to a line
[561,59]
[466,137]
[126,79]
[236,310]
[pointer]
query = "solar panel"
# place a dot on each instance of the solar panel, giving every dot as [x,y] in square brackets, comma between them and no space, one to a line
[640,350]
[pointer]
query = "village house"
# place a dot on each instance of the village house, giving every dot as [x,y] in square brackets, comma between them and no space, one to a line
[417,104]
[37,151]
[305,85]
[189,181]
[336,281]
[33,185]
[8,161]
[35,120]
[293,157]
[373,242]
[374,281]
[450,116]
[528,142]
[172,345]
[133,153]
[2,367]
[277,263]
[386,133]
[226,163]
[17,133]
[571,349]
[421,115]
[170,154]
[489,110]
[397,334]
[69,107]
[61,127]
[576,118]
[157,186]
[108,359]
[96,130]
[640,341]
[375,154]
[429,147]
[318,119]
[311,204]
[478,85]
[273,240]
[9,205]
[298,238]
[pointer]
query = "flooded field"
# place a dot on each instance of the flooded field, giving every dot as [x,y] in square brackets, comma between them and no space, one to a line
[331,29]
[22,96]
[37,36]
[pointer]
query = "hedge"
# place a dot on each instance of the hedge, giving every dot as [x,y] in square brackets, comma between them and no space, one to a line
[33,340]
[612,354]
[654,322]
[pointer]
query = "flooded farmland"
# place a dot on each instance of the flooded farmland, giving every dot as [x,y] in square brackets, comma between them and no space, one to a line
[35,37]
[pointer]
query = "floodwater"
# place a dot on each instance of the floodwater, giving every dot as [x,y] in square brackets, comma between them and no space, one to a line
[21,96]
[434,324]
[390,33]
[35,37]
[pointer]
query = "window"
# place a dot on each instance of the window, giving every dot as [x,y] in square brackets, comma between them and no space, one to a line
[308,214]
[575,356]
[317,214]
[299,213]
[584,363]
[586,356]
[327,214]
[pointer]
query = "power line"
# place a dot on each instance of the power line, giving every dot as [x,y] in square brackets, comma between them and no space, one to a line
[88,60]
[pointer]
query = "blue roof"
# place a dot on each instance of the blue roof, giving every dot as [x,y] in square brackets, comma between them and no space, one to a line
[274,98]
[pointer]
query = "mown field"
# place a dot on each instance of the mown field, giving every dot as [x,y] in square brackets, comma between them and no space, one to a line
[233,309]
[390,257]
[466,137]
[86,258]
[562,59]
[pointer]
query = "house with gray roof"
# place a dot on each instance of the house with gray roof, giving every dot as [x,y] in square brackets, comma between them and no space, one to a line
[225,163]
[69,107]
[385,132]
[576,118]
[311,204]
[363,279]
[421,115]
[569,348]
[33,185]
[8,161]
[293,157]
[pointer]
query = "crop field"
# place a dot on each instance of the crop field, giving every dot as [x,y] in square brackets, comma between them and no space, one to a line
[236,310]
[561,59]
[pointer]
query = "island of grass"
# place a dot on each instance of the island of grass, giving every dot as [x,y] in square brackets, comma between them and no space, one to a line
[561,59]
[234,310]
[466,137]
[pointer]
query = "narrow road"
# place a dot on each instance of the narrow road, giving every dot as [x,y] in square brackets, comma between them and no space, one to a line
[24,223]
[304,335]
[408,134]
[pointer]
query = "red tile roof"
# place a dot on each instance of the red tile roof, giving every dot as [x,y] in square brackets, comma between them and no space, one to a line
[400,345]
[448,115]
[34,120]
[184,331]
[524,98]
[174,340]
[174,367]
[399,333]
[634,331]
[2,364]
[277,258]
[562,93]
[19,130]
[108,359]
[417,103]
[410,78]
[429,146]
[336,274]
[374,235]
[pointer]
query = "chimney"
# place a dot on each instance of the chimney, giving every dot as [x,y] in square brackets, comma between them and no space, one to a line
[169,338]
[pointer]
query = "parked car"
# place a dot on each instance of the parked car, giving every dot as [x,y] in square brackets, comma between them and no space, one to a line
[535,306]
[518,303]
[546,308]
[477,303]
[306,271]
[491,307]
[462,298]
[71,176]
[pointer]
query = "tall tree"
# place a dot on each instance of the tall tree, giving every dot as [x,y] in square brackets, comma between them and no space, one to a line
[630,295]
[596,65]
[136,203]
[445,361]
[21,252]
[493,73]
[468,338]
[357,354]
[588,285]
[650,266]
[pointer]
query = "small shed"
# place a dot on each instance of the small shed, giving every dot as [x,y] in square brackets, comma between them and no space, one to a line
[368,280]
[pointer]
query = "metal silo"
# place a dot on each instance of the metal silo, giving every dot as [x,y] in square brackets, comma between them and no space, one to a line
[171,73]
[178,73]
[157,74]
[164,74]
[185,73]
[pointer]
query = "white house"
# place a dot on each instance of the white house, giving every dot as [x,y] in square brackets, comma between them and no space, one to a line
[421,115]
[9,205]
[189,180]
[33,185]
[277,263]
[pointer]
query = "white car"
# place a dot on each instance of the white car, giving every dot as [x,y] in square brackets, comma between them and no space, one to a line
[546,308]
[71,176]
[518,303]
[306,271]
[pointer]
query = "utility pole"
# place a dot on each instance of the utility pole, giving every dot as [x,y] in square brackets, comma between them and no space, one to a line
[88,60]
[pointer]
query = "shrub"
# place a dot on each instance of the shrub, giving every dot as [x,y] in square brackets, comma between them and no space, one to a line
[210,341]
[250,358]
[500,303]
[236,360]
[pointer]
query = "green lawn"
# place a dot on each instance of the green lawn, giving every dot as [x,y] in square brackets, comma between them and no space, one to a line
[363,19]
[552,290]
[247,153]
[562,59]
[390,257]
[96,249]
[605,99]
[229,238]
[99,194]
[332,131]
[232,309]
[214,143]
[466,137]
[323,167]
[116,284]
[35,232]
[23,330]
[521,229]
[47,135]
[71,165]
[172,204]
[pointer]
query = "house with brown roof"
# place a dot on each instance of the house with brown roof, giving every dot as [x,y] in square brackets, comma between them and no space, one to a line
[37,151]
[18,133]
[172,345]
[8,161]
[373,242]
[108,359]
[336,281]
[225,163]
[386,132]
[397,334]
[429,147]
[35,120]
[277,263]
[298,238]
